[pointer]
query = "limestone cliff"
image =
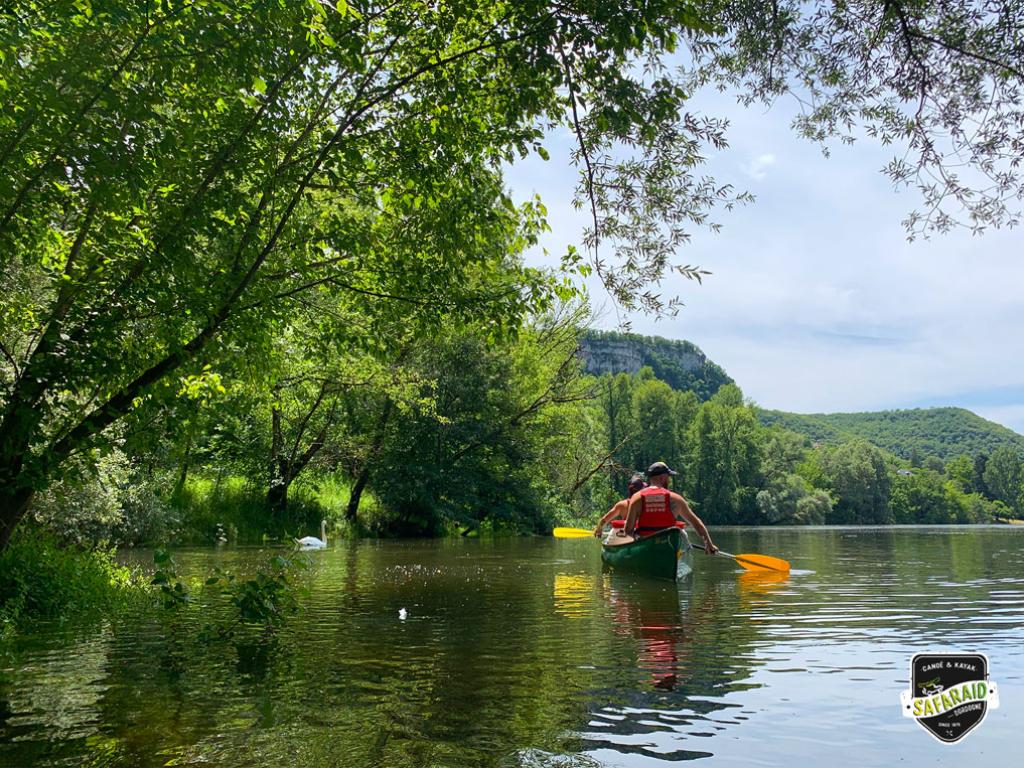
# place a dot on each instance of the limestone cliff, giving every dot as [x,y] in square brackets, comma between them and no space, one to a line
[680,364]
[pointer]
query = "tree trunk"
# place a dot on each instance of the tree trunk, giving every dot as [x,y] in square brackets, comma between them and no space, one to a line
[20,423]
[13,506]
[352,510]
[277,494]
[179,485]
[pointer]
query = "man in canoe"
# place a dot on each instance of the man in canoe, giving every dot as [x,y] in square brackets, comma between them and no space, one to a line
[656,507]
[618,511]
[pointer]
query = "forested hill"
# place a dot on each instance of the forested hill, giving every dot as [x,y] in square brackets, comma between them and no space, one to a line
[680,364]
[942,432]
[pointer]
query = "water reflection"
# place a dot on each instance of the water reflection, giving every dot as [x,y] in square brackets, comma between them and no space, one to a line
[761,582]
[574,594]
[525,653]
[650,613]
[673,702]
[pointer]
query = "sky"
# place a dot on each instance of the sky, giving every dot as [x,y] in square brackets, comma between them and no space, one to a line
[817,302]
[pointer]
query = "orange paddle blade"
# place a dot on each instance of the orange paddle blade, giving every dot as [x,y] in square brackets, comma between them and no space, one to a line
[571,533]
[762,562]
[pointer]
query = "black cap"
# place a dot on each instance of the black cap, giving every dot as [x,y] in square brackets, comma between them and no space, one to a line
[660,468]
[637,481]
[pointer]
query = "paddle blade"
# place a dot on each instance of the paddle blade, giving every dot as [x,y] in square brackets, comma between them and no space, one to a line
[762,562]
[571,533]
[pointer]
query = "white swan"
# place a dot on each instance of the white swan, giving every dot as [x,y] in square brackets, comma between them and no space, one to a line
[312,542]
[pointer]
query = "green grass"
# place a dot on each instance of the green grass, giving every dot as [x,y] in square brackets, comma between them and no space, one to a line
[238,508]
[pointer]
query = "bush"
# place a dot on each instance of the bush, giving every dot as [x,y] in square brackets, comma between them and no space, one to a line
[40,579]
[791,500]
[103,498]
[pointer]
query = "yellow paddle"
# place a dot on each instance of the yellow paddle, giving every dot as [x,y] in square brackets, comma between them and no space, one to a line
[758,562]
[751,562]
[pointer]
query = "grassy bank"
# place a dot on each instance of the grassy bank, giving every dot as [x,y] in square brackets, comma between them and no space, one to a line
[230,507]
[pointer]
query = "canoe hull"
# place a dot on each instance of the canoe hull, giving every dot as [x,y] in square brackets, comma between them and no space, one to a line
[662,555]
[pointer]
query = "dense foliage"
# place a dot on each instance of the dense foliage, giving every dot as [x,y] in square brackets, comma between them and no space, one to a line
[183,185]
[910,434]
[180,179]
[736,470]
[40,579]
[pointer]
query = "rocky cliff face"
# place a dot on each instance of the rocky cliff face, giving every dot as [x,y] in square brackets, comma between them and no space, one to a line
[613,356]
[679,363]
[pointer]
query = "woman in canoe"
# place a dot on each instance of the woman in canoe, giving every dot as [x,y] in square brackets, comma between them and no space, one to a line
[656,508]
[618,512]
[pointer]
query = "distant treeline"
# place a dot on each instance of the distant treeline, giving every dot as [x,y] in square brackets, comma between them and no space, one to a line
[737,470]
[910,434]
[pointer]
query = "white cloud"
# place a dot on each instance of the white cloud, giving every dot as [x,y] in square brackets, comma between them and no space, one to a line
[757,169]
[817,302]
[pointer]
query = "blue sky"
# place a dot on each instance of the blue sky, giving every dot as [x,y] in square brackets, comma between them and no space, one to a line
[817,302]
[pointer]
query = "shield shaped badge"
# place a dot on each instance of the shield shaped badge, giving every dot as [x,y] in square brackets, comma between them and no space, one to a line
[950,693]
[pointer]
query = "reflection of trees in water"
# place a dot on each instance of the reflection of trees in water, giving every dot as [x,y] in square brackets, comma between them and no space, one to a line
[685,653]
[513,653]
[59,692]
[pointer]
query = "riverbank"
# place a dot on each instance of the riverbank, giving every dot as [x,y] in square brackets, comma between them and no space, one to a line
[42,579]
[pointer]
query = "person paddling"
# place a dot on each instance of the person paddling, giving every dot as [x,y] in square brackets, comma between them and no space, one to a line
[656,507]
[619,509]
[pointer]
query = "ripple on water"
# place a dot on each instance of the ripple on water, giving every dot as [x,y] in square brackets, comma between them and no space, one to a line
[527,653]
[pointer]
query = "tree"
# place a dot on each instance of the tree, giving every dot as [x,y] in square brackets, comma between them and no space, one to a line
[960,471]
[980,463]
[857,475]
[792,500]
[728,395]
[915,458]
[177,176]
[616,397]
[655,415]
[469,453]
[943,78]
[782,453]
[724,460]
[922,498]
[1003,475]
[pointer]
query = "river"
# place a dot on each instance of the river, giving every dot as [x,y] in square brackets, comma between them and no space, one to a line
[524,652]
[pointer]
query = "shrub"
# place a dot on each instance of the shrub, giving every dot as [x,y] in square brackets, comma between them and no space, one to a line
[103,498]
[40,579]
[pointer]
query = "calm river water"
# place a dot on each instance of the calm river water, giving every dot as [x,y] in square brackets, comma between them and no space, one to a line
[525,653]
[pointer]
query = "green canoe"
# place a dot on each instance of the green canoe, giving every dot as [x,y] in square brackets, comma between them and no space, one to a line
[662,554]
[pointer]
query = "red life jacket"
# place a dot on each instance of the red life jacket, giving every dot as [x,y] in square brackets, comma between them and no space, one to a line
[655,511]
